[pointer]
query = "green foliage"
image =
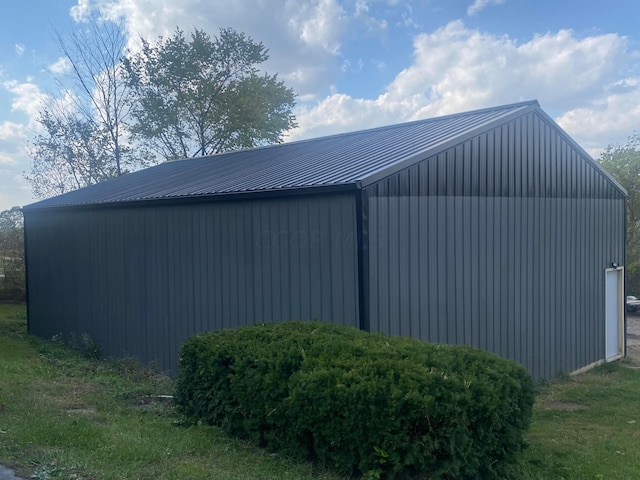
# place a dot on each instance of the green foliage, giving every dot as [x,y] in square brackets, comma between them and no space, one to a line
[71,153]
[84,138]
[205,95]
[385,407]
[623,163]
[12,269]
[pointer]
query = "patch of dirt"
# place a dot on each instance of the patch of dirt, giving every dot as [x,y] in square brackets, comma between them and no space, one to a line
[81,411]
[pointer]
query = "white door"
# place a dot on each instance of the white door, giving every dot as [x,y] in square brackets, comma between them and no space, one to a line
[613,313]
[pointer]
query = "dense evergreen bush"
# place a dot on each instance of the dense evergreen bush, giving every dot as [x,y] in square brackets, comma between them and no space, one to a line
[387,407]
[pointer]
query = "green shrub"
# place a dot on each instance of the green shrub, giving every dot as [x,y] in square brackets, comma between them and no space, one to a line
[383,406]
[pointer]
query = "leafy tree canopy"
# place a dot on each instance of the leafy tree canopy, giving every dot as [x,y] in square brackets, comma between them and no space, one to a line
[71,153]
[174,98]
[205,95]
[12,277]
[623,163]
[84,139]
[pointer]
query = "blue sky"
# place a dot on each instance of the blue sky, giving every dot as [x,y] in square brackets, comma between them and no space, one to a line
[361,63]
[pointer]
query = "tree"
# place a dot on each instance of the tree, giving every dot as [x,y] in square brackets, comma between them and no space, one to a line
[72,153]
[12,270]
[84,138]
[623,163]
[206,95]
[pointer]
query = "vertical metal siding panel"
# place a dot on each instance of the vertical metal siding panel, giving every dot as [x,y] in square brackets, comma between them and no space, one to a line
[515,249]
[534,295]
[446,266]
[469,306]
[289,226]
[424,265]
[350,262]
[528,147]
[266,312]
[405,252]
[563,295]
[335,242]
[437,259]
[342,239]
[131,298]
[116,271]
[251,238]
[458,280]
[554,303]
[306,273]
[593,267]
[323,227]
[572,350]
[564,271]
[159,232]
[295,264]
[140,280]
[261,242]
[234,231]
[583,319]
[382,263]
[279,260]
[242,253]
[315,262]
[176,228]
[392,321]
[375,251]
[413,259]
[484,302]
[505,253]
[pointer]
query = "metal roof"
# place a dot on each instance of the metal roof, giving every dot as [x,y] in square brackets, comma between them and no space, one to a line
[348,160]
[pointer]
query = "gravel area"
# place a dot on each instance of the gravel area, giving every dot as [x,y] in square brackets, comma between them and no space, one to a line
[6,474]
[633,337]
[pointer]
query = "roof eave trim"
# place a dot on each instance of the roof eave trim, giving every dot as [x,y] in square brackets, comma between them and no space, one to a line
[215,197]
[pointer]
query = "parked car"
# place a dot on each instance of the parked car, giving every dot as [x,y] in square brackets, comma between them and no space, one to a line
[633,304]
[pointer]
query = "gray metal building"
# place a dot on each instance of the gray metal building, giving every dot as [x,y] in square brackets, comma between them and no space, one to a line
[491,228]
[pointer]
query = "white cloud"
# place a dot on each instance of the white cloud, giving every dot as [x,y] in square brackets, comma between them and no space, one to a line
[11,130]
[319,24]
[304,37]
[81,11]
[61,66]
[20,48]
[479,5]
[606,120]
[361,12]
[6,159]
[27,97]
[456,69]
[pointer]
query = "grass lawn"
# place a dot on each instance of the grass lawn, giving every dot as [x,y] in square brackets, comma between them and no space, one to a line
[69,417]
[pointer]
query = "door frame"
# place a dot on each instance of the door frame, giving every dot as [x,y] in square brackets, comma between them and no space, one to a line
[621,315]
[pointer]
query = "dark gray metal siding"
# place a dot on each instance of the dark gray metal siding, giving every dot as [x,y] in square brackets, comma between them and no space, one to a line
[141,280]
[501,243]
